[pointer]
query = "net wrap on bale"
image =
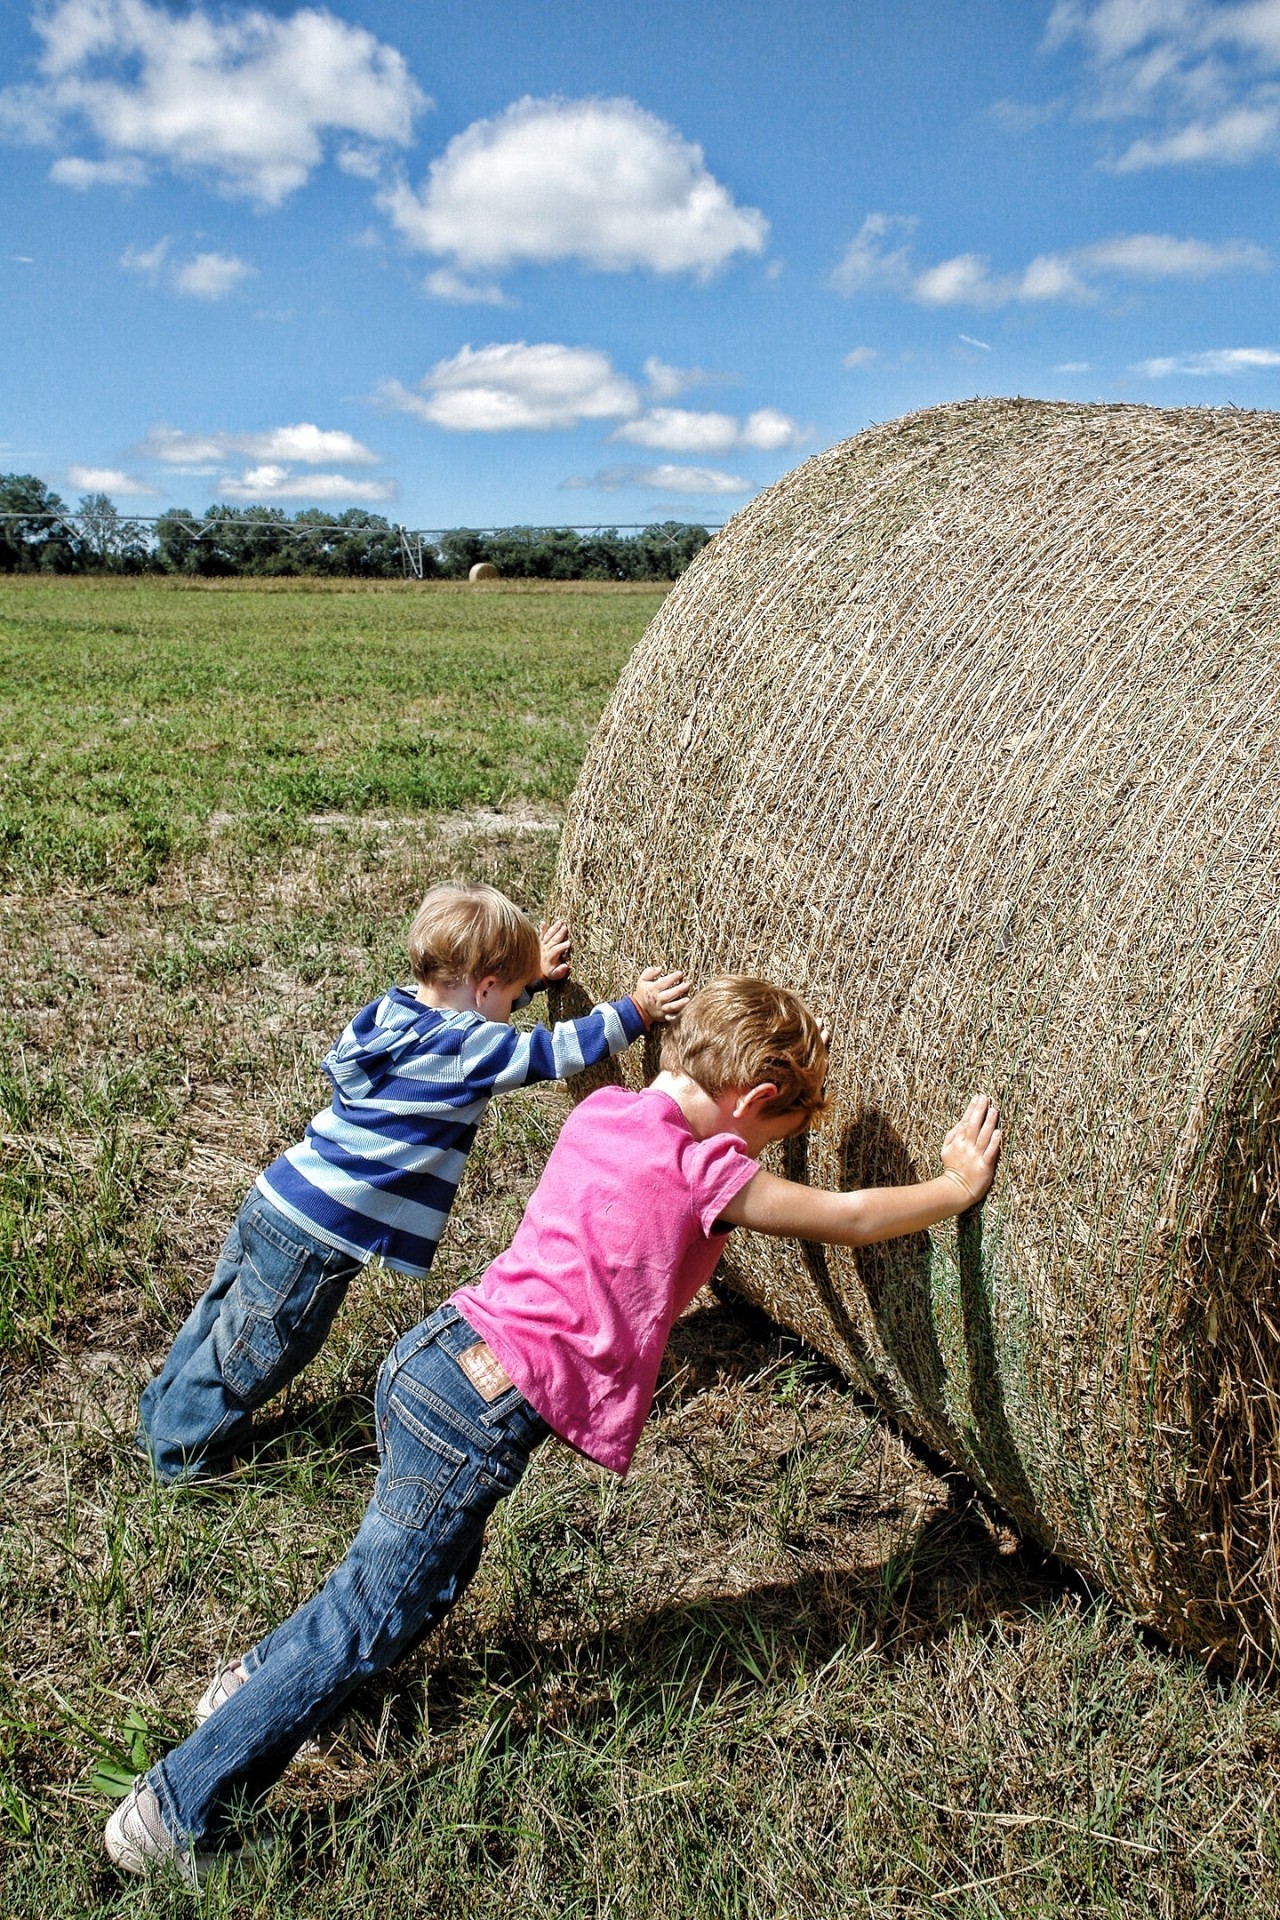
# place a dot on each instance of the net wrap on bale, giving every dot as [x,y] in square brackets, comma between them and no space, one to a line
[966,729]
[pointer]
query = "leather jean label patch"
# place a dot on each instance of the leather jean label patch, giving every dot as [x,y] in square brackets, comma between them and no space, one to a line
[485,1371]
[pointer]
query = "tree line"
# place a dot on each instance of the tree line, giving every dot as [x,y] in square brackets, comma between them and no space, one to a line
[39,533]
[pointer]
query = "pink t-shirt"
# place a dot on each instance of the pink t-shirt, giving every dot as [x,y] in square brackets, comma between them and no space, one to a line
[616,1240]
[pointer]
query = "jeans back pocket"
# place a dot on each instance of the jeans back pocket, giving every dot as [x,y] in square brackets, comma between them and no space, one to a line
[421,1473]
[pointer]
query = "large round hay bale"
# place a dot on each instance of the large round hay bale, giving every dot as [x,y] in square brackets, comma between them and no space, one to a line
[484,570]
[967,729]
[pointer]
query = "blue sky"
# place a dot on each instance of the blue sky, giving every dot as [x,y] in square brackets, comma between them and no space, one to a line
[544,263]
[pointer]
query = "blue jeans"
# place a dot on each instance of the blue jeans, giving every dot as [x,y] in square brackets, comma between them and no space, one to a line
[447,1457]
[268,1308]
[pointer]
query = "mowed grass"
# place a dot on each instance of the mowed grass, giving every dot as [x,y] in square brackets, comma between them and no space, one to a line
[783,1669]
[135,711]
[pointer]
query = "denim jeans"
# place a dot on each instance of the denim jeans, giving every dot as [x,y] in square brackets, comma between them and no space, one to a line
[268,1308]
[447,1457]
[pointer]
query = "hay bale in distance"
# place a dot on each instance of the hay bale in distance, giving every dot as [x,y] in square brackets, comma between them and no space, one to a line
[967,729]
[484,570]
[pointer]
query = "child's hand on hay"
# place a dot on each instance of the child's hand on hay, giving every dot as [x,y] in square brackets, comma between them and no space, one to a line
[660,996]
[971,1148]
[858,1218]
[556,950]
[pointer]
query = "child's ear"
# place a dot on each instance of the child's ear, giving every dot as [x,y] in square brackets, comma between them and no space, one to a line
[752,1100]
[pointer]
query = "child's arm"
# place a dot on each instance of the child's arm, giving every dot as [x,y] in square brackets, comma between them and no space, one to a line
[497,1058]
[969,1154]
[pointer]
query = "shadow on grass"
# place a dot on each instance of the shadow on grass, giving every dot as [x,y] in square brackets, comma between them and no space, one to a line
[721,1643]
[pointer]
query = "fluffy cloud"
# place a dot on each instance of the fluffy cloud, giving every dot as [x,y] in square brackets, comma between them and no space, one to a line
[244,97]
[668,383]
[83,174]
[310,445]
[1201,73]
[211,276]
[664,479]
[514,386]
[871,260]
[597,181]
[106,480]
[878,258]
[1224,360]
[206,276]
[494,389]
[678,430]
[445,284]
[274,482]
[1158,256]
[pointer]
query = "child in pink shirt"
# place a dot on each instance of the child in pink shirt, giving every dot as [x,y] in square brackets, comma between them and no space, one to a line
[562,1335]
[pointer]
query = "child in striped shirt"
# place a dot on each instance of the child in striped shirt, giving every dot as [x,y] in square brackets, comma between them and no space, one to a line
[377,1170]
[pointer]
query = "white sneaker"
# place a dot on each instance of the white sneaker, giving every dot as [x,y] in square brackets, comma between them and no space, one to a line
[225,1682]
[139,1842]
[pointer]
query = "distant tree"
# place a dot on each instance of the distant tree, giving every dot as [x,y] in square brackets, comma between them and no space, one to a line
[107,540]
[459,550]
[39,538]
[663,551]
[358,544]
[355,543]
[178,541]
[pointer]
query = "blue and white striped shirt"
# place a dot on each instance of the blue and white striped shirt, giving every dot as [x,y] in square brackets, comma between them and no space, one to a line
[377,1171]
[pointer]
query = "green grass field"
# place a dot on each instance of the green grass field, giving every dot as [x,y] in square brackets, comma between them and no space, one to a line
[783,1669]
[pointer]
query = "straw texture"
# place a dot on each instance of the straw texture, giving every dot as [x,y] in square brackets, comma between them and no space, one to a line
[967,729]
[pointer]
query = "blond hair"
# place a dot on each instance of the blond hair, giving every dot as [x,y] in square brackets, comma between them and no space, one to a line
[467,932]
[739,1032]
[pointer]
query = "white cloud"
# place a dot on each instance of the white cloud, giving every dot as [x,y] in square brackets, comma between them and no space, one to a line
[1233,139]
[1158,256]
[601,182]
[303,442]
[984,345]
[664,479]
[1201,73]
[668,383]
[1018,117]
[874,262]
[770,431]
[72,171]
[147,261]
[1073,366]
[211,276]
[868,262]
[362,163]
[206,276]
[859,357]
[105,480]
[244,97]
[445,284]
[274,482]
[1225,360]
[495,389]
[679,430]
